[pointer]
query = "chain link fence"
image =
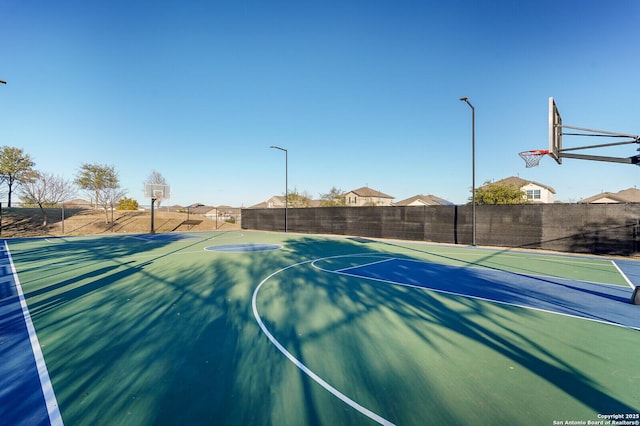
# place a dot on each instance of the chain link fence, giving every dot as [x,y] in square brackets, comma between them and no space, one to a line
[26,220]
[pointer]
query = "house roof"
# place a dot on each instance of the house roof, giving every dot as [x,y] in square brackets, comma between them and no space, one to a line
[368,192]
[280,201]
[228,209]
[630,195]
[276,199]
[428,200]
[519,182]
[222,210]
[78,202]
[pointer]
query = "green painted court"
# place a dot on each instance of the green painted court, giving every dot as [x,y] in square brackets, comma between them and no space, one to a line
[243,328]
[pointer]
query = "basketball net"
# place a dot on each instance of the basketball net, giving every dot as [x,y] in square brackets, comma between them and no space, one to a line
[157,198]
[533,157]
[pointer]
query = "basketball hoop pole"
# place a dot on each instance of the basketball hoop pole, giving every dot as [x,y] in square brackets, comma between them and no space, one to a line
[157,192]
[601,133]
[153,201]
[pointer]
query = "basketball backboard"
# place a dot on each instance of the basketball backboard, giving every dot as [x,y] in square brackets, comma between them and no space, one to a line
[156,191]
[555,131]
[558,152]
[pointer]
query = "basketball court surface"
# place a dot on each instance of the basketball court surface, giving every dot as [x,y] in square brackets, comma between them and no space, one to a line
[242,328]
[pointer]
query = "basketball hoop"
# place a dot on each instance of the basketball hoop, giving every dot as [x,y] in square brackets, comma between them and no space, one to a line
[533,157]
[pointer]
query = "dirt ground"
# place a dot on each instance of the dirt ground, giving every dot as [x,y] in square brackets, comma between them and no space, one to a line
[28,222]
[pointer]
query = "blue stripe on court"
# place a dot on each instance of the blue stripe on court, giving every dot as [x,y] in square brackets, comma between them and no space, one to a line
[599,302]
[631,268]
[22,401]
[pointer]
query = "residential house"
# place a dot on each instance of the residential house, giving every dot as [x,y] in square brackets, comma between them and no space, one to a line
[534,192]
[630,195]
[367,197]
[424,200]
[275,202]
[223,213]
[278,202]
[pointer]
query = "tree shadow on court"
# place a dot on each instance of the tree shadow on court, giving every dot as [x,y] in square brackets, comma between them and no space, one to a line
[493,259]
[79,296]
[438,321]
[137,334]
[141,332]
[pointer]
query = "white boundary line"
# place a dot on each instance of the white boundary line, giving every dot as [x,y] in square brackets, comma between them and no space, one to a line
[55,418]
[480,267]
[623,275]
[453,293]
[556,258]
[299,364]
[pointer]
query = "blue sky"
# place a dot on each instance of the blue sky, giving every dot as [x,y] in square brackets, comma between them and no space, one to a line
[359,92]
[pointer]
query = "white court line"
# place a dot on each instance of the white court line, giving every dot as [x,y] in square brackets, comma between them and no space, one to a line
[137,237]
[364,265]
[623,275]
[321,381]
[491,253]
[473,266]
[52,240]
[484,299]
[204,235]
[53,410]
[299,364]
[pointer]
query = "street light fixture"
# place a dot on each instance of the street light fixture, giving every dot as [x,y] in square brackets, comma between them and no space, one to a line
[286,184]
[473,170]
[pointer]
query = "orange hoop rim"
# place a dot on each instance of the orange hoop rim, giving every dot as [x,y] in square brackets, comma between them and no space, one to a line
[536,152]
[533,157]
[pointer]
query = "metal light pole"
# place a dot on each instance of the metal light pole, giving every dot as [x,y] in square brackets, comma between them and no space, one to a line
[4,82]
[286,184]
[473,170]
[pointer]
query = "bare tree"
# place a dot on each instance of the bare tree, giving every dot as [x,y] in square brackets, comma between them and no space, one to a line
[46,190]
[109,198]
